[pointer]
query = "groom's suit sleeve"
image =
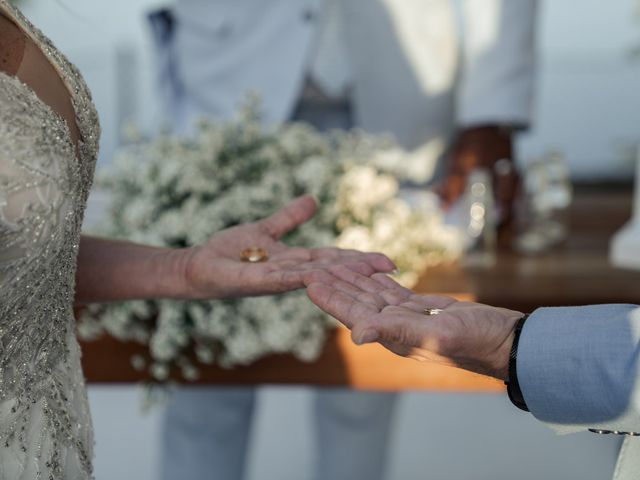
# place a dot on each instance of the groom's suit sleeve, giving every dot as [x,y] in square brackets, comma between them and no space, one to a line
[498,68]
[579,367]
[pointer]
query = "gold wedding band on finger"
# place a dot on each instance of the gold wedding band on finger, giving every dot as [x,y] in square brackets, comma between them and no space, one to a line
[432,311]
[254,255]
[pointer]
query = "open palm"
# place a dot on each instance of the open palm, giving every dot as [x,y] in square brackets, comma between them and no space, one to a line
[215,269]
[468,335]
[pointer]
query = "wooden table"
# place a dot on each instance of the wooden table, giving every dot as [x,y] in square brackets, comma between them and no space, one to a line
[573,274]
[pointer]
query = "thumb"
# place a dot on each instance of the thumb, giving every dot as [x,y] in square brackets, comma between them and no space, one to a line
[291,216]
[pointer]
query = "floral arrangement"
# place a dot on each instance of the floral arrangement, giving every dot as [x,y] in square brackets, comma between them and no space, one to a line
[177,191]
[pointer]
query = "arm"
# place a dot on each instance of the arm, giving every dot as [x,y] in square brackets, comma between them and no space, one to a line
[117,270]
[578,367]
[111,270]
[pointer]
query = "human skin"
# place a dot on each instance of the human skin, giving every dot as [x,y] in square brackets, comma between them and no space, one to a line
[482,147]
[467,335]
[110,270]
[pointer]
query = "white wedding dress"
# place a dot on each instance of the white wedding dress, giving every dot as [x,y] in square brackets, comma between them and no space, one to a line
[46,166]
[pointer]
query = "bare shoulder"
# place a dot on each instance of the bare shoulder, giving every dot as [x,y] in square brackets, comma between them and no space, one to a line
[12,46]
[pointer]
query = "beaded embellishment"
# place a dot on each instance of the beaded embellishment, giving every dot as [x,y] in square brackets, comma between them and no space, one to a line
[45,425]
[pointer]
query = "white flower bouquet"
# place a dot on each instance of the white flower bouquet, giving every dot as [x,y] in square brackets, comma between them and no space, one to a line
[177,191]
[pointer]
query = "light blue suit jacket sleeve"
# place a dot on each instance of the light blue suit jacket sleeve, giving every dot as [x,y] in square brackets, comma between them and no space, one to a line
[579,367]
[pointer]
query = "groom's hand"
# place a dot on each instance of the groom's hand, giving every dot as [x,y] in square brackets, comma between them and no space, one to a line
[468,335]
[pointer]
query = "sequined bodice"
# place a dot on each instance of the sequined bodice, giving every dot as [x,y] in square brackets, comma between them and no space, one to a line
[45,429]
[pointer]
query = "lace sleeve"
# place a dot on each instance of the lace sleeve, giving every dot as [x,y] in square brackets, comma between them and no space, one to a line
[35,173]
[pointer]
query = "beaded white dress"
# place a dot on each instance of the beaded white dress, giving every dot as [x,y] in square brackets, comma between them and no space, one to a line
[45,425]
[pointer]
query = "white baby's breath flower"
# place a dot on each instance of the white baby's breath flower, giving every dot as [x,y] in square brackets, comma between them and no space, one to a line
[355,237]
[204,354]
[160,371]
[189,372]
[138,363]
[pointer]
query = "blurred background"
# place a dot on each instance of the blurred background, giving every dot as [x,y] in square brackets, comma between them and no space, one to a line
[588,108]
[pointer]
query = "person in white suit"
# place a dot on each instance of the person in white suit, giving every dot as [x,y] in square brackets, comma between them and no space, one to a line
[396,67]
[574,368]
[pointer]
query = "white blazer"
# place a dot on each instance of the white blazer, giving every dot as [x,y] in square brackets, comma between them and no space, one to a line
[412,75]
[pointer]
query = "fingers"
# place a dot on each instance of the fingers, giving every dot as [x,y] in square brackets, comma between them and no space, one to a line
[379,310]
[380,262]
[391,284]
[358,295]
[307,259]
[393,296]
[395,325]
[321,276]
[415,301]
[340,305]
[291,216]
[363,263]
[379,289]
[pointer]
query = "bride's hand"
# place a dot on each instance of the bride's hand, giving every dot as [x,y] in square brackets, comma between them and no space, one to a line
[216,269]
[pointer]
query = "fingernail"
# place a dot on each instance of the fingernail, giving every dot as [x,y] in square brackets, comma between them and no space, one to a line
[368,336]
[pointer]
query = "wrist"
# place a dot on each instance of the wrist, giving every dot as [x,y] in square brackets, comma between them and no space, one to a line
[170,273]
[199,274]
[499,361]
[501,368]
